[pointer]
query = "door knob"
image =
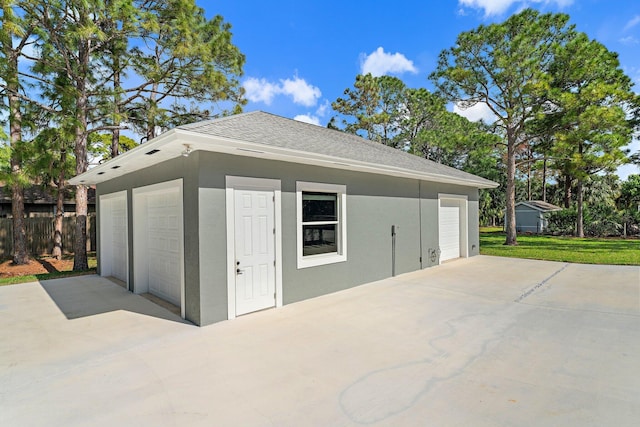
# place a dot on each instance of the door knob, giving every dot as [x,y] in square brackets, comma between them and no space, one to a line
[238,271]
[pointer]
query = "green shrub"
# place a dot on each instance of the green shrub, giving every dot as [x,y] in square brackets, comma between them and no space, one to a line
[562,222]
[598,221]
[602,221]
[631,217]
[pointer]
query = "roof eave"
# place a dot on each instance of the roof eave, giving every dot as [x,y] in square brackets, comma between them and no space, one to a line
[95,174]
[173,141]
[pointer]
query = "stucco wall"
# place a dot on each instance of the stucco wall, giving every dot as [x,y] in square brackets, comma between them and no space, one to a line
[429,193]
[374,204]
[527,219]
[184,168]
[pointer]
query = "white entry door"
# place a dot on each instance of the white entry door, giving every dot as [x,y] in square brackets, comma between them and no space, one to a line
[163,244]
[449,229]
[254,250]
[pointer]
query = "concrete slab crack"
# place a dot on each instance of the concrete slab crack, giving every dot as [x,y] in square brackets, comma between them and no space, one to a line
[384,393]
[539,285]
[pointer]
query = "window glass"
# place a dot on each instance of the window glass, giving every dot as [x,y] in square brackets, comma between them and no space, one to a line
[319,206]
[319,239]
[321,223]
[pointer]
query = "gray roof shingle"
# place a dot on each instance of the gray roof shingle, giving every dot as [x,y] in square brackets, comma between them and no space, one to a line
[540,205]
[268,129]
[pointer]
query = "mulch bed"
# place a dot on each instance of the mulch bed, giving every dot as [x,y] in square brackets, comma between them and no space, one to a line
[35,266]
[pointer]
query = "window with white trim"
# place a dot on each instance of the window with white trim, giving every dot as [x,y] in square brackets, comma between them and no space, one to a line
[321,220]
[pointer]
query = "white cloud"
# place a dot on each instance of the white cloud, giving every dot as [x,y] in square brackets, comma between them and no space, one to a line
[302,92]
[498,7]
[262,90]
[623,172]
[308,118]
[475,113]
[632,23]
[323,108]
[491,7]
[629,40]
[314,118]
[380,62]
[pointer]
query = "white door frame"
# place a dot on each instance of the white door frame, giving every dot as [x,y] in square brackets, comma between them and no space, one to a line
[105,221]
[463,220]
[140,242]
[245,183]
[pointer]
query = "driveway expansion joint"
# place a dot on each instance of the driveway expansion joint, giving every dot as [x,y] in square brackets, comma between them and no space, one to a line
[537,286]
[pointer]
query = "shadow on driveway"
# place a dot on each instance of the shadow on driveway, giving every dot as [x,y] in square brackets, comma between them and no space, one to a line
[89,295]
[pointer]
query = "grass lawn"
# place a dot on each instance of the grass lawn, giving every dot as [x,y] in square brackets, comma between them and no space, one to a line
[565,249]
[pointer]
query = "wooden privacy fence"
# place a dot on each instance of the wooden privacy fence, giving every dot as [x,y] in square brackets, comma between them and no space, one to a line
[40,235]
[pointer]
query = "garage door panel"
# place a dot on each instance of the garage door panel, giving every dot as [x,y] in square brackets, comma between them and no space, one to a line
[449,229]
[163,238]
[119,239]
[114,242]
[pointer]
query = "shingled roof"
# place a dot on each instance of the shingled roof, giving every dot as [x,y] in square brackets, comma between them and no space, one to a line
[540,205]
[264,135]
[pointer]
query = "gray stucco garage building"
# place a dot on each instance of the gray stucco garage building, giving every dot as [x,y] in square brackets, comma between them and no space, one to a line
[247,212]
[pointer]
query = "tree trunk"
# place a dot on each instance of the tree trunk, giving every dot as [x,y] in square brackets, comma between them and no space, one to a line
[579,219]
[115,142]
[529,175]
[580,196]
[151,123]
[20,254]
[510,225]
[57,222]
[80,262]
[115,136]
[567,191]
[544,180]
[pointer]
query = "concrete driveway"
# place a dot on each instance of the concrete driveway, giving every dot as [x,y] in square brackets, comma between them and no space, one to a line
[484,341]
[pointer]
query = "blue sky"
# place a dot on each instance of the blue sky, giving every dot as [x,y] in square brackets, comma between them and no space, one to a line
[301,55]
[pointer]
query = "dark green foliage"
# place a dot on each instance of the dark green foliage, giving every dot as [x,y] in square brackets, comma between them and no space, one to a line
[371,109]
[562,222]
[504,66]
[383,109]
[96,67]
[630,194]
[600,221]
[558,97]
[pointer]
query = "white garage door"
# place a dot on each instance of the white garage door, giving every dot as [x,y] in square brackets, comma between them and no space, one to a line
[449,229]
[113,236]
[164,248]
[119,239]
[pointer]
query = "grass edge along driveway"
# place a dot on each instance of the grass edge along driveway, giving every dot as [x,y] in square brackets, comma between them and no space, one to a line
[611,251]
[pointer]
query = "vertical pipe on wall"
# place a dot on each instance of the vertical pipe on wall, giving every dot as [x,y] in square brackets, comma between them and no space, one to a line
[393,250]
[420,219]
